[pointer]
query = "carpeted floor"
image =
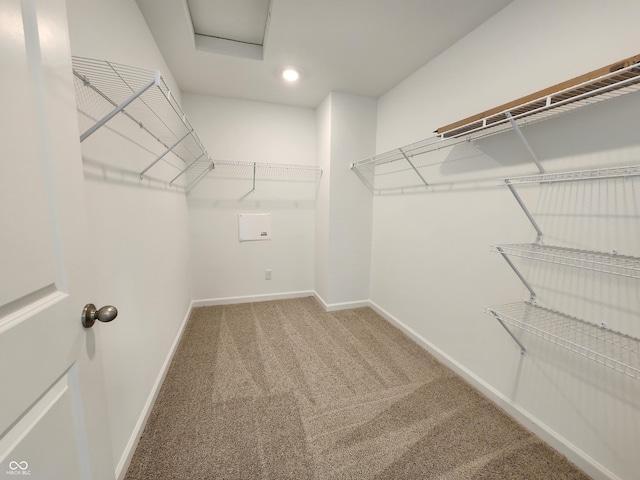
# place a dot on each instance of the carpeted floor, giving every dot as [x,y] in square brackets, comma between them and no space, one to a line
[284,390]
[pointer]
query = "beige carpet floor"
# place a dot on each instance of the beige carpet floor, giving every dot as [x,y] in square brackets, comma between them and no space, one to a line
[284,390]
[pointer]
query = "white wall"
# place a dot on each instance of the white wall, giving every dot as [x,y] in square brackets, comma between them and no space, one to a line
[431,268]
[323,156]
[235,130]
[139,235]
[346,131]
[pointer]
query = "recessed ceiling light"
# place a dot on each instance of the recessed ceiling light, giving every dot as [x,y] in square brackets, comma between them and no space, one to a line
[290,75]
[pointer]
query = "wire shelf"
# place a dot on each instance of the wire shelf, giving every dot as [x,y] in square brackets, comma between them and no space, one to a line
[594,174]
[611,85]
[609,263]
[143,97]
[267,171]
[605,346]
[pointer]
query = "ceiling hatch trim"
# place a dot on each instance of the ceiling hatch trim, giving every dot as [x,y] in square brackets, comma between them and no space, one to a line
[237,28]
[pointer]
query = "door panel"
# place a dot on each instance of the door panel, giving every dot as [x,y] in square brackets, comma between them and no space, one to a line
[25,223]
[45,422]
[53,418]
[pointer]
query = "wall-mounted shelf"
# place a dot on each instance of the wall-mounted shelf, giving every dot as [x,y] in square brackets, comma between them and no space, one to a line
[143,97]
[608,263]
[607,347]
[551,103]
[613,349]
[285,172]
[256,172]
[594,174]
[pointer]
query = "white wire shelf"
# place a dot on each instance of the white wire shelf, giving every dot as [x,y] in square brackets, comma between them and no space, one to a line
[611,85]
[143,97]
[608,263]
[605,346]
[285,172]
[594,174]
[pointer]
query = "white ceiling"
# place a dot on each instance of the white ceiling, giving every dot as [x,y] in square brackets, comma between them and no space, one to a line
[362,47]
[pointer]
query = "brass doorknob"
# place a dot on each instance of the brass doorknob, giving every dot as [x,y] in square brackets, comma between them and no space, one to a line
[90,314]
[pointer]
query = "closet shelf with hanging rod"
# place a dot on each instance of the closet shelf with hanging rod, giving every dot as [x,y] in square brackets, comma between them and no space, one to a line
[143,97]
[268,172]
[603,84]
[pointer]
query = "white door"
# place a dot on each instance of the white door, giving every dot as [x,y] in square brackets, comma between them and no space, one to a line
[53,421]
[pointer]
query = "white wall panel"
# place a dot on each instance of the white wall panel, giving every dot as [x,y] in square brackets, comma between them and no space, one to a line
[246,131]
[431,267]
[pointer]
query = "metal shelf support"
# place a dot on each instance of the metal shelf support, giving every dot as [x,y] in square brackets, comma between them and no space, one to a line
[253,188]
[414,167]
[523,350]
[516,128]
[520,276]
[539,238]
[119,108]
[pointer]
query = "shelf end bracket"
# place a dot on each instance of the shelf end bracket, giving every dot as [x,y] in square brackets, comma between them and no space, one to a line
[532,292]
[414,167]
[523,350]
[512,189]
[116,110]
[516,128]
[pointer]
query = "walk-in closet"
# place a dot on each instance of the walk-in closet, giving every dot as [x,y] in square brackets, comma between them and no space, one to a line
[355,239]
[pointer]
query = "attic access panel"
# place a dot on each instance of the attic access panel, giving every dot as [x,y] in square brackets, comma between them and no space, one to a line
[230,27]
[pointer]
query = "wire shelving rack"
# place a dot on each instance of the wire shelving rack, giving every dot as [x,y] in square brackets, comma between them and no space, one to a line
[609,263]
[266,172]
[143,97]
[613,84]
[607,347]
[593,174]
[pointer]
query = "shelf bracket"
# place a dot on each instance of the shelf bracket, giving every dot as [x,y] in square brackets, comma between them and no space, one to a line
[516,128]
[253,188]
[177,142]
[414,167]
[523,350]
[515,269]
[184,170]
[119,108]
[540,236]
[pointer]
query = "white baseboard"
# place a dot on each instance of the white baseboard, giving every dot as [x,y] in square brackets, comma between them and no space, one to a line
[561,444]
[127,455]
[209,302]
[332,307]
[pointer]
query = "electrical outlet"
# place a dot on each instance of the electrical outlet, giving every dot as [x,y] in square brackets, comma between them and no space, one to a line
[267,274]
